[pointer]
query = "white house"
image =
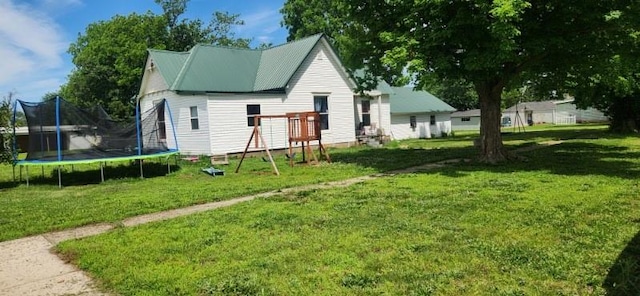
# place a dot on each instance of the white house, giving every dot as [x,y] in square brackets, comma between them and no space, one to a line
[555,112]
[465,120]
[401,113]
[215,92]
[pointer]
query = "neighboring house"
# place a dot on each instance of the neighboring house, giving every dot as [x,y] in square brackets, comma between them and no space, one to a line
[555,112]
[465,120]
[402,113]
[215,92]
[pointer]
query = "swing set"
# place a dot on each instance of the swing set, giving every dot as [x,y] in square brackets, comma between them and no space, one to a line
[302,127]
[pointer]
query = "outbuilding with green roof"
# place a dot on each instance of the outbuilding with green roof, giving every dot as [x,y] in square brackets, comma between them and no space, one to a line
[401,113]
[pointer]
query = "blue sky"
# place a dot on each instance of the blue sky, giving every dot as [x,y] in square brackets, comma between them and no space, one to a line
[35,34]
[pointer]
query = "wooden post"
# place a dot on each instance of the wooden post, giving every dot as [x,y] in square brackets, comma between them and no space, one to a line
[246,148]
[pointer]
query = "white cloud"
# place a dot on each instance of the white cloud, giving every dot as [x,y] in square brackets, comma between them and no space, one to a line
[265,21]
[31,44]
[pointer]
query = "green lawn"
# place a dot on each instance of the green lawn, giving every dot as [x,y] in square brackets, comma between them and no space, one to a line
[564,222]
[83,200]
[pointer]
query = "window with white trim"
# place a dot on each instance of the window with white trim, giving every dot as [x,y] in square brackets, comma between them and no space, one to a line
[432,120]
[321,105]
[195,124]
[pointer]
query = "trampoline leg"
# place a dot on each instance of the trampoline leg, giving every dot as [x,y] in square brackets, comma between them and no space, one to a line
[168,166]
[141,172]
[59,178]
[27,173]
[101,172]
[14,173]
[42,171]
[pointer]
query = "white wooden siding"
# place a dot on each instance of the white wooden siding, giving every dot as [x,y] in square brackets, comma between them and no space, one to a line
[380,112]
[458,125]
[152,80]
[228,120]
[320,74]
[190,142]
[401,128]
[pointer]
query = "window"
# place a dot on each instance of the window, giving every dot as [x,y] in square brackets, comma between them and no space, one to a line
[412,122]
[252,111]
[194,118]
[321,105]
[366,116]
[432,120]
[465,119]
[161,128]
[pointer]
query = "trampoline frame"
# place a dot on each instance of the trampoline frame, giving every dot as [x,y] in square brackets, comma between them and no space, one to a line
[60,162]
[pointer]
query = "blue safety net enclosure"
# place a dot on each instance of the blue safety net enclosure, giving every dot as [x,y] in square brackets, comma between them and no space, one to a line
[60,132]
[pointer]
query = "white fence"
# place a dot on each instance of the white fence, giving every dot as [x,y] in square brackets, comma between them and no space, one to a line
[564,119]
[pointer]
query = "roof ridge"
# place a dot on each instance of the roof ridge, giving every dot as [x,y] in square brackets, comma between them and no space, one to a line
[185,66]
[227,47]
[295,41]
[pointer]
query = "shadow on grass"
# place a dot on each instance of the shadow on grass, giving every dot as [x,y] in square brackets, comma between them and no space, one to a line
[48,175]
[624,276]
[568,158]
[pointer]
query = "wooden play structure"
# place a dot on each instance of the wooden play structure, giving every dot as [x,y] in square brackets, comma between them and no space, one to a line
[302,127]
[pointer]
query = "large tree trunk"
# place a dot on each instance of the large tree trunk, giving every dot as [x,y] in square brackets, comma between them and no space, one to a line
[624,115]
[490,95]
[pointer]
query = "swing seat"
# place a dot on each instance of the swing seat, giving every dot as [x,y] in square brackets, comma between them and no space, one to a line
[213,171]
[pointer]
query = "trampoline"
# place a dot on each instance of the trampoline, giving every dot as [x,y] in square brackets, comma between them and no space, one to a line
[61,133]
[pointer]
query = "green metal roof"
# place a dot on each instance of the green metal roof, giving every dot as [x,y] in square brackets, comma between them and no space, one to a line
[169,63]
[407,100]
[208,68]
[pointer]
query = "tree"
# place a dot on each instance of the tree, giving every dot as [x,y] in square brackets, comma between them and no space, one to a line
[6,128]
[457,93]
[615,91]
[495,45]
[110,55]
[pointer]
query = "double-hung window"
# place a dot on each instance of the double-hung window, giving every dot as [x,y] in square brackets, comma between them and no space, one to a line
[366,115]
[194,118]
[321,105]
[252,111]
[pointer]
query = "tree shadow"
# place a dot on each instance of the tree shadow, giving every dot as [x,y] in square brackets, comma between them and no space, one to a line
[568,158]
[624,276]
[48,175]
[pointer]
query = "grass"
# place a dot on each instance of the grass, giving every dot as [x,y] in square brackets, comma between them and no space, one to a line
[564,223]
[42,207]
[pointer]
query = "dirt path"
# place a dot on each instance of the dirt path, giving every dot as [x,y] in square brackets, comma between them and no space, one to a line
[27,266]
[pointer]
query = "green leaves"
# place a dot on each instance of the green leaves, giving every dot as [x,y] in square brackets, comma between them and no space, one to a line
[110,54]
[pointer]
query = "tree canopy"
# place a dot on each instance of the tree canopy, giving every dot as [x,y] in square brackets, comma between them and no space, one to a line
[495,45]
[109,55]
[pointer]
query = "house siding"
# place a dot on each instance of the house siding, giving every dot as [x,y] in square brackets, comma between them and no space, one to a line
[190,142]
[401,129]
[472,125]
[319,74]
[380,112]
[154,81]
[228,120]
